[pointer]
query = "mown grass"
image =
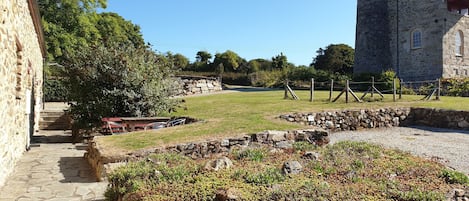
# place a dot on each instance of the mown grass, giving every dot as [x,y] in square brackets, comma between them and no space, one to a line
[344,171]
[241,113]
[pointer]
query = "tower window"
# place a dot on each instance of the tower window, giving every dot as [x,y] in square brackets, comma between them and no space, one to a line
[459,43]
[416,39]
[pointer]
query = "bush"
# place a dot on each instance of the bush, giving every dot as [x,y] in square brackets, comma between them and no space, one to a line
[236,79]
[454,177]
[252,154]
[456,87]
[119,81]
[55,90]
[267,78]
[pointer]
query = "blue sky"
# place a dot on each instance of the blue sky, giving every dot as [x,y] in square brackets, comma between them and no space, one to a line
[251,28]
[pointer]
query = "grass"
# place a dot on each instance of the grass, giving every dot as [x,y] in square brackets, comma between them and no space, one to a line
[234,114]
[345,171]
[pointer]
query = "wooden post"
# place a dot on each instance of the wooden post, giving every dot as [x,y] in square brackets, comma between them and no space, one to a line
[332,89]
[394,89]
[347,89]
[439,89]
[372,86]
[285,85]
[311,92]
[400,88]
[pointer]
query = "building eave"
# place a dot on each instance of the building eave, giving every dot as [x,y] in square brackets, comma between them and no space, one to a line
[36,17]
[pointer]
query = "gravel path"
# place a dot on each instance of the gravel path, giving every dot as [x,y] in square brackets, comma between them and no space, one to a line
[450,147]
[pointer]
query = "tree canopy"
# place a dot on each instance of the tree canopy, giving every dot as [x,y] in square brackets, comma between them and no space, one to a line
[69,24]
[337,58]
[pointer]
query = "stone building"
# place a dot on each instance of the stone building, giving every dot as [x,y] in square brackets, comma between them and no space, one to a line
[418,39]
[21,72]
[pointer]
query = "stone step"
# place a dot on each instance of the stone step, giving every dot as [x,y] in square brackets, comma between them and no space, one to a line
[54,125]
[54,120]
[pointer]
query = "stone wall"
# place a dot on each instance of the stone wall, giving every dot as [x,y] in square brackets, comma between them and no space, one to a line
[384,32]
[351,119]
[21,63]
[277,139]
[439,118]
[384,117]
[190,85]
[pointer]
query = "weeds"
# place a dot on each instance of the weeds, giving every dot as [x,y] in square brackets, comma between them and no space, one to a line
[347,171]
[454,177]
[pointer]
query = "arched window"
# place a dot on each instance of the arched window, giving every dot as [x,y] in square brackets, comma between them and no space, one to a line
[459,43]
[416,41]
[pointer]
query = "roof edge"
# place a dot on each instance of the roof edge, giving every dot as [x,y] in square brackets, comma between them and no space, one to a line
[36,16]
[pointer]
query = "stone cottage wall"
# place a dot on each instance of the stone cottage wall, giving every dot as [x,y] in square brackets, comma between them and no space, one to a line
[190,85]
[21,74]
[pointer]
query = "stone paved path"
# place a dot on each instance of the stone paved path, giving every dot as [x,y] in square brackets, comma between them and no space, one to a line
[54,169]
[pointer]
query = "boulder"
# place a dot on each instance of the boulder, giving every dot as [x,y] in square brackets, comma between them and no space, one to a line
[292,167]
[218,164]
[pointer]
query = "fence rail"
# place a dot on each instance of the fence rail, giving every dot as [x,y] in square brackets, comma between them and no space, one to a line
[396,87]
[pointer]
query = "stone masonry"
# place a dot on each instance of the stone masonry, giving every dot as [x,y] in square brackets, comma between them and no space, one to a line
[21,63]
[384,39]
[102,164]
[191,85]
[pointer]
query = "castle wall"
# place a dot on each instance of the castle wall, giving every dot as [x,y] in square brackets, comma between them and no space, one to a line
[427,16]
[21,65]
[436,57]
[453,65]
[372,52]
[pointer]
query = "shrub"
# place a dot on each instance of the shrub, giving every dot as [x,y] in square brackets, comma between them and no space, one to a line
[236,79]
[119,81]
[456,87]
[267,177]
[55,90]
[454,177]
[252,154]
[303,146]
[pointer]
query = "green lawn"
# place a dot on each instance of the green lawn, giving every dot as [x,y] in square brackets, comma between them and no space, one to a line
[241,113]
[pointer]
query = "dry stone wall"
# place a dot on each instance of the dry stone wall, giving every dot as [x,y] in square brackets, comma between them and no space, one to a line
[351,119]
[20,84]
[384,117]
[277,139]
[190,85]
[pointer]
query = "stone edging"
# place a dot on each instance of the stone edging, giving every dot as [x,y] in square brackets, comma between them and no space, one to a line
[277,139]
[333,121]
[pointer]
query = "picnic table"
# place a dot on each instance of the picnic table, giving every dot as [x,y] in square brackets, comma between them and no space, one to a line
[139,122]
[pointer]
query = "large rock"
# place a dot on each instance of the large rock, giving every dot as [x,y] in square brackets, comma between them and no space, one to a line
[292,167]
[219,164]
[230,194]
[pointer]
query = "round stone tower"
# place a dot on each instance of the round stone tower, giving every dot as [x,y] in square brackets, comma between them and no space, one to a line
[373,35]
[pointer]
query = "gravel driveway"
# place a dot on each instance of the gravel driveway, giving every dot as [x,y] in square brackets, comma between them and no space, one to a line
[450,147]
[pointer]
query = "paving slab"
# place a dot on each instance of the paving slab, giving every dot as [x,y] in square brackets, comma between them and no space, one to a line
[54,169]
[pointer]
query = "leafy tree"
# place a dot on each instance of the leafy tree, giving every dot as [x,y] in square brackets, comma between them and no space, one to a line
[203,57]
[69,24]
[335,58]
[230,60]
[114,28]
[264,65]
[280,62]
[120,80]
[179,60]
